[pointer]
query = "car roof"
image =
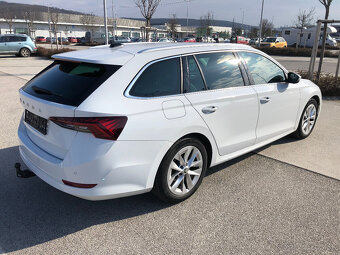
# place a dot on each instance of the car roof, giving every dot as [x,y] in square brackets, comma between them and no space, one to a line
[119,55]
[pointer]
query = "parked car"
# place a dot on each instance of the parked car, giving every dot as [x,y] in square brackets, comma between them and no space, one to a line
[164,40]
[96,37]
[19,44]
[48,40]
[72,40]
[62,39]
[79,39]
[254,41]
[238,39]
[40,39]
[189,39]
[121,39]
[115,121]
[274,42]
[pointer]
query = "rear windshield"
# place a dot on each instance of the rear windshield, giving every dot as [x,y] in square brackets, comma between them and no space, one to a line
[68,82]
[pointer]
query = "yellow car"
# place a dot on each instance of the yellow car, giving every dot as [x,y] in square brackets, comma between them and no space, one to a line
[274,42]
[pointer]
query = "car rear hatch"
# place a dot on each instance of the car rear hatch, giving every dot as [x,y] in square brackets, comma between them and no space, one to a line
[56,92]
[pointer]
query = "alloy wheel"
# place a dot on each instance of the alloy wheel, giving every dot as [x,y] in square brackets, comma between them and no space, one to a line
[308,119]
[185,170]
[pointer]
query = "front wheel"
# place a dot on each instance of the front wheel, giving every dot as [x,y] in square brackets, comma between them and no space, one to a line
[307,120]
[181,171]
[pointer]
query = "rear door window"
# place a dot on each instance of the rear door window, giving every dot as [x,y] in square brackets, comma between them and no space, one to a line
[193,80]
[162,78]
[221,70]
[68,82]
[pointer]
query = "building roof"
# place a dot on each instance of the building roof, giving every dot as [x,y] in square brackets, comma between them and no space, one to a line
[121,54]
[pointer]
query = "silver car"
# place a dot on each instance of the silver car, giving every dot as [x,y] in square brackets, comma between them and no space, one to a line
[18,44]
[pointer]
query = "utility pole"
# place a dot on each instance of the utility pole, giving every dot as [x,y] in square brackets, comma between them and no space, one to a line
[242,32]
[105,23]
[261,22]
[49,24]
[188,1]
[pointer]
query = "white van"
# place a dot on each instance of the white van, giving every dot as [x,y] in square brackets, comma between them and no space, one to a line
[96,37]
[306,36]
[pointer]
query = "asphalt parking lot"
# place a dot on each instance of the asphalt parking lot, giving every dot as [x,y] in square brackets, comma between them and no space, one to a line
[267,202]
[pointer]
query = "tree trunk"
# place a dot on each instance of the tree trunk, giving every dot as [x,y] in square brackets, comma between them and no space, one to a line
[147,25]
[323,45]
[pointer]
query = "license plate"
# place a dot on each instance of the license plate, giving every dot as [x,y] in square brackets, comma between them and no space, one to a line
[36,122]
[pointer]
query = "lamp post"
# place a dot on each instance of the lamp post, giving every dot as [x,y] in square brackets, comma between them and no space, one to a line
[261,22]
[105,23]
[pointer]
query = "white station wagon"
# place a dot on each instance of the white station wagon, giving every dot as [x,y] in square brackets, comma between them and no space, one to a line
[115,121]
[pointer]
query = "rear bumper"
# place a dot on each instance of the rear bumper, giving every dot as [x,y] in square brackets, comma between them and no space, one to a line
[121,168]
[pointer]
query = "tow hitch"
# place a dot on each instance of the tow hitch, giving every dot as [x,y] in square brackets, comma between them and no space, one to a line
[23,173]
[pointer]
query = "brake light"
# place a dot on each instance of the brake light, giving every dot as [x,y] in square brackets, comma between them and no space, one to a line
[101,127]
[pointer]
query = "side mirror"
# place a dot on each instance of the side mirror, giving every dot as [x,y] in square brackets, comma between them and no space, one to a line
[293,78]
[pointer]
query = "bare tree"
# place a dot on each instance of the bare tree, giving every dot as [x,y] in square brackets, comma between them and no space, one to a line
[172,24]
[147,9]
[327,5]
[9,17]
[54,17]
[267,28]
[305,18]
[30,16]
[88,20]
[205,25]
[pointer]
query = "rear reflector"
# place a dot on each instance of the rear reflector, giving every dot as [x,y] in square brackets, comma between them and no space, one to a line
[79,185]
[101,127]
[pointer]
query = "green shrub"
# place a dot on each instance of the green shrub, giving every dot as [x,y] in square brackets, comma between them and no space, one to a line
[45,52]
[327,83]
[300,52]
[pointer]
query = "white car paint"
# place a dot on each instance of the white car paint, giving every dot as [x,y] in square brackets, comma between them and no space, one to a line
[129,165]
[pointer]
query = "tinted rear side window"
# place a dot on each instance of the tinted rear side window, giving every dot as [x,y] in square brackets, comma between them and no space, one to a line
[162,78]
[221,70]
[68,82]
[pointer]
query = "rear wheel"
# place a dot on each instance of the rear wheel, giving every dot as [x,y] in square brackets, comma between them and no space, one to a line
[181,171]
[24,52]
[307,120]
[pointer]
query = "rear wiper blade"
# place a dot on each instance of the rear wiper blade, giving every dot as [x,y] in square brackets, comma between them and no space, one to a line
[44,91]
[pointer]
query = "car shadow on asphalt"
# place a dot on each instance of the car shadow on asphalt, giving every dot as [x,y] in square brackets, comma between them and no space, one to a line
[32,212]
[284,140]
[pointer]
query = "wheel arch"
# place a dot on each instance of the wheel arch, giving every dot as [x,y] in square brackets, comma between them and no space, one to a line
[205,141]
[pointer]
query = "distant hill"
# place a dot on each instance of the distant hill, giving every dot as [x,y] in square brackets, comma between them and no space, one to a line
[196,22]
[17,9]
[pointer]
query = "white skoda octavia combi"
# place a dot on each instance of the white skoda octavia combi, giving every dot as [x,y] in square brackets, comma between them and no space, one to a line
[115,121]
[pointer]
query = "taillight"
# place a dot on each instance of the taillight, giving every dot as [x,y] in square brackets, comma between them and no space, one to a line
[101,127]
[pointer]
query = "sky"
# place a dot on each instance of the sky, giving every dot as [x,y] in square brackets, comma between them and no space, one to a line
[280,12]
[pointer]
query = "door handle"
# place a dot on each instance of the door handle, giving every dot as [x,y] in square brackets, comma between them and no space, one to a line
[209,109]
[264,100]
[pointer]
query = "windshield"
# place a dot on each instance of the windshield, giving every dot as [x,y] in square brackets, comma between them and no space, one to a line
[69,83]
[270,40]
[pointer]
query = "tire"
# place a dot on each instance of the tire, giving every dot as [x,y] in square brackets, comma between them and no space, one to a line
[307,120]
[172,184]
[25,52]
